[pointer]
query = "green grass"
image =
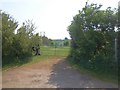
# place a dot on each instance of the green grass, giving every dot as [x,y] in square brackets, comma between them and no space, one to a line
[113,78]
[46,53]
[52,51]
[49,53]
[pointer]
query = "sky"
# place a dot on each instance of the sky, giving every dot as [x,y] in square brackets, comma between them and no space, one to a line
[50,16]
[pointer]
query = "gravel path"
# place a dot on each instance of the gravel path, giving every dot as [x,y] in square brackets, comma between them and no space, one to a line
[54,73]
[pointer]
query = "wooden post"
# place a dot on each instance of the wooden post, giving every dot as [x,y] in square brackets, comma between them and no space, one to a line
[116,59]
[55,49]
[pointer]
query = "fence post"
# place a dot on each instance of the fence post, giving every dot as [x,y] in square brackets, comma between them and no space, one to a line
[116,59]
[55,48]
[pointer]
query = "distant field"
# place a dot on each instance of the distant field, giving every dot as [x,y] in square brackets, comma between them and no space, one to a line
[47,52]
[52,51]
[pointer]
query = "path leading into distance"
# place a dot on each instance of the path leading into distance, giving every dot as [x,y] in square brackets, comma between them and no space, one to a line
[53,73]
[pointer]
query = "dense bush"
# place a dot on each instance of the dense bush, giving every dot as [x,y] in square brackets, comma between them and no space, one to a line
[93,32]
[17,42]
[17,46]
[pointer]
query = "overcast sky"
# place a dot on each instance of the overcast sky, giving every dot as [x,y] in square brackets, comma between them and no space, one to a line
[50,16]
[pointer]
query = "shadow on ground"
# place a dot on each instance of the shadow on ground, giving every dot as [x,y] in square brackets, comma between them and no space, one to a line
[63,76]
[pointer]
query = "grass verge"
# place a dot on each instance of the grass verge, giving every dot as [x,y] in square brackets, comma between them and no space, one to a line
[112,78]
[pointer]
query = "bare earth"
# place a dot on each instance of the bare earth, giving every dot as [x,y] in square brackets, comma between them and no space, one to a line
[54,73]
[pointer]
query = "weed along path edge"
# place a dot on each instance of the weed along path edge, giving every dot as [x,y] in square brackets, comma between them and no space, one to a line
[51,73]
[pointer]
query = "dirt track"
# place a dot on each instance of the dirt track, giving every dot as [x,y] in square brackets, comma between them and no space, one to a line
[54,73]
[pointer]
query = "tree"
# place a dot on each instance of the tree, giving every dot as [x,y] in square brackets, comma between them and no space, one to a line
[46,41]
[66,42]
[9,25]
[66,38]
[93,31]
[25,39]
[16,46]
[118,39]
[36,39]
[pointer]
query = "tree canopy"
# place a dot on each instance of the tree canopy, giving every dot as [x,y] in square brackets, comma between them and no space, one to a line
[18,46]
[93,32]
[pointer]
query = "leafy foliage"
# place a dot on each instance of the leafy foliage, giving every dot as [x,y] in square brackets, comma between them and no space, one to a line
[93,32]
[17,45]
[8,27]
[46,41]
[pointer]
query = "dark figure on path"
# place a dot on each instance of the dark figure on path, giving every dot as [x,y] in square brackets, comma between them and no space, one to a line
[33,48]
[36,49]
